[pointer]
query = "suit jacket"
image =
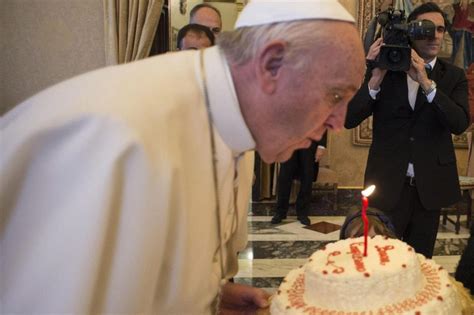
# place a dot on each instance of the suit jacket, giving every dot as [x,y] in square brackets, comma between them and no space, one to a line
[422,135]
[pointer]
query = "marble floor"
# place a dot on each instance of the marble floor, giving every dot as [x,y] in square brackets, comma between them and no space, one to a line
[273,250]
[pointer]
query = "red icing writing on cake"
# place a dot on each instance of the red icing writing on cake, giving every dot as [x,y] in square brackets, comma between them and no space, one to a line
[330,262]
[383,253]
[357,256]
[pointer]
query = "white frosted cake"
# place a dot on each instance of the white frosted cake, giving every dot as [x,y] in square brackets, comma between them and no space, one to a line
[391,279]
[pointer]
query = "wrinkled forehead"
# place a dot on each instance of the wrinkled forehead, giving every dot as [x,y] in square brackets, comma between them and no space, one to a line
[343,67]
[341,46]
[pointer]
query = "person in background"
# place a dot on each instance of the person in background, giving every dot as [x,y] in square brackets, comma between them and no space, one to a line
[207,15]
[194,36]
[465,269]
[125,190]
[411,159]
[303,165]
[379,224]
[462,31]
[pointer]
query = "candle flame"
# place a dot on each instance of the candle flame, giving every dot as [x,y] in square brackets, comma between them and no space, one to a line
[368,191]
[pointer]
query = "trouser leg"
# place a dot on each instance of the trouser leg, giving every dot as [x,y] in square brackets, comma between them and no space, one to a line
[422,229]
[285,180]
[414,224]
[306,164]
[400,214]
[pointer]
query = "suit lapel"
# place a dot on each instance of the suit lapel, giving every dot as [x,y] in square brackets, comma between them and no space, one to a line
[438,71]
[420,100]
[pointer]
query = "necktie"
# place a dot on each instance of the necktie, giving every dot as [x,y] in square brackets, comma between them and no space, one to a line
[428,70]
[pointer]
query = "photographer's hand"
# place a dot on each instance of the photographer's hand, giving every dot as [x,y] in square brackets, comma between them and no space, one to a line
[417,71]
[377,73]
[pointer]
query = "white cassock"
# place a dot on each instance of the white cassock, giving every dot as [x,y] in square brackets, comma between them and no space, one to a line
[107,199]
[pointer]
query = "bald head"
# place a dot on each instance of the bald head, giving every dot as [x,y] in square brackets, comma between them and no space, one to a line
[207,15]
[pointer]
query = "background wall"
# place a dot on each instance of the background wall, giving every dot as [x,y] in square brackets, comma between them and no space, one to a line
[350,5]
[43,42]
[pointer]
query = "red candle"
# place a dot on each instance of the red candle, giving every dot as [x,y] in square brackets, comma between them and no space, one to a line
[365,204]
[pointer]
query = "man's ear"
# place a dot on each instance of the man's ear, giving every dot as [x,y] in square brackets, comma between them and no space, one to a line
[270,65]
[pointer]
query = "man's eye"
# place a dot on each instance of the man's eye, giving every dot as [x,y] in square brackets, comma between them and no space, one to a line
[335,97]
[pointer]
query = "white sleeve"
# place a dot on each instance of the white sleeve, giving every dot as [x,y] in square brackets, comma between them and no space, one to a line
[79,220]
[431,96]
[373,93]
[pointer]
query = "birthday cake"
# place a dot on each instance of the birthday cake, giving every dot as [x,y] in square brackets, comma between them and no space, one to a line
[391,279]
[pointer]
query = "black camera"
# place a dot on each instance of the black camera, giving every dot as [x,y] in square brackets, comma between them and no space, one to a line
[395,53]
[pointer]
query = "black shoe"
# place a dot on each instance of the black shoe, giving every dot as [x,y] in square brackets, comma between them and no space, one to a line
[277,218]
[304,220]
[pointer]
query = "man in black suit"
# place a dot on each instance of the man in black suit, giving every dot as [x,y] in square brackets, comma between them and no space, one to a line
[411,159]
[304,165]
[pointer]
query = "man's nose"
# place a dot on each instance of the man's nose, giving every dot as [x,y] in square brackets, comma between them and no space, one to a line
[336,120]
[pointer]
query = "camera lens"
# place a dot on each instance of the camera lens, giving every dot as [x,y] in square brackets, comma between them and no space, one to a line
[394,56]
[424,29]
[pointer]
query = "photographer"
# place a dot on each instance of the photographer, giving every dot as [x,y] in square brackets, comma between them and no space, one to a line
[411,159]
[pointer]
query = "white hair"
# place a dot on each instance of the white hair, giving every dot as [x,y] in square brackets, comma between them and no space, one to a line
[241,45]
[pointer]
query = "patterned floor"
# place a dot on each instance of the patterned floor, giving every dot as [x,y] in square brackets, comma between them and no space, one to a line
[273,250]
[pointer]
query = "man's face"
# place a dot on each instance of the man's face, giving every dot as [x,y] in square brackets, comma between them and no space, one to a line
[314,99]
[194,40]
[208,17]
[429,48]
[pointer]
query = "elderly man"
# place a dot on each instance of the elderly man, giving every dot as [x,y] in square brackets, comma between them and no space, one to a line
[194,36]
[126,190]
[207,15]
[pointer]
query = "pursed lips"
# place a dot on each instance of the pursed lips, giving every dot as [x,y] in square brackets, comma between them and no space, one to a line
[304,144]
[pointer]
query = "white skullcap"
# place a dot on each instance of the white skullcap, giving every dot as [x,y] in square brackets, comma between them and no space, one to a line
[259,12]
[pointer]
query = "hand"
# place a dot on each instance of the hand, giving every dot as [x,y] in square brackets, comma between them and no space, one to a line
[417,71]
[319,153]
[374,49]
[242,299]
[377,73]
